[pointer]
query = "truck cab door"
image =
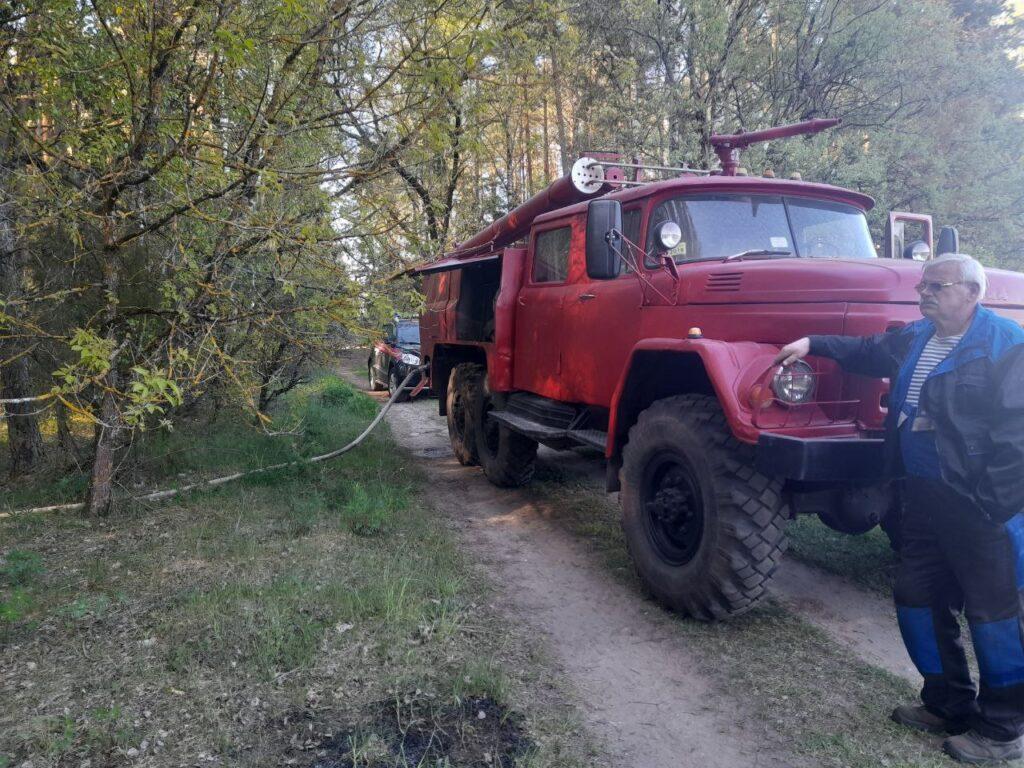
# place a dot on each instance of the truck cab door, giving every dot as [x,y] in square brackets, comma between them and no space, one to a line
[537,364]
[601,325]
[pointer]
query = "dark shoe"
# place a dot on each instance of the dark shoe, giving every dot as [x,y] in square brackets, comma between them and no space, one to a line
[920,719]
[974,748]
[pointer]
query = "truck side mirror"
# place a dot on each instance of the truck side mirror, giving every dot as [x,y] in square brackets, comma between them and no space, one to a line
[898,237]
[949,241]
[604,236]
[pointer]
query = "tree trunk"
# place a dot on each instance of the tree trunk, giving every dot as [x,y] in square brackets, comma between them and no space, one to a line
[564,145]
[109,430]
[108,433]
[547,146]
[23,438]
[527,140]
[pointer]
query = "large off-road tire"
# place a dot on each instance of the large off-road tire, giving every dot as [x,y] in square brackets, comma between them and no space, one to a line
[704,528]
[507,457]
[465,388]
[394,381]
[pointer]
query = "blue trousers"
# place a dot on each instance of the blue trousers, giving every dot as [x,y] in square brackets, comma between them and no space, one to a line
[955,560]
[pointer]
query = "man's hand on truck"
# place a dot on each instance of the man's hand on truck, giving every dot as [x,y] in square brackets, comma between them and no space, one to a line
[793,351]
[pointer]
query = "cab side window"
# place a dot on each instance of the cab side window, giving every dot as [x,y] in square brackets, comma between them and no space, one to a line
[551,255]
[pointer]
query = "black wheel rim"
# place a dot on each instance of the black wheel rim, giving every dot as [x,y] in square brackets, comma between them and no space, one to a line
[673,508]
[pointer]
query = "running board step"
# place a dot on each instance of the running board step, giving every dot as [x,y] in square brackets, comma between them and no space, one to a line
[543,433]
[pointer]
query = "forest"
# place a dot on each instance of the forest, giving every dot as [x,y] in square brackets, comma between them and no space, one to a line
[202,200]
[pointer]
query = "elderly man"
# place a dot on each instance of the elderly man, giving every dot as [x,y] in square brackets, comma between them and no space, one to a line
[955,434]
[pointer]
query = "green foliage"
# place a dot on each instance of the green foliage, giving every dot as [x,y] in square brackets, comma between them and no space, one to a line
[210,197]
[867,559]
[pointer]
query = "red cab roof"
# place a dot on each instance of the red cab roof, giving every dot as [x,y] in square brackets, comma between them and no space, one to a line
[743,184]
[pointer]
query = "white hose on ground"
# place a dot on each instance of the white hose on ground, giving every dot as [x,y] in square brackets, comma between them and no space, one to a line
[172,492]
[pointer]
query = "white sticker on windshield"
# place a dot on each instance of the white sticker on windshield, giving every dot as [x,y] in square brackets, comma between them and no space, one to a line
[780,242]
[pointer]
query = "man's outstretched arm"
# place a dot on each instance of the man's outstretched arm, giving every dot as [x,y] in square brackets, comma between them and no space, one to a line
[877,356]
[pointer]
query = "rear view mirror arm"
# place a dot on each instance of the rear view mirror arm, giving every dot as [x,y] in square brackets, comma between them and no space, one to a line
[630,261]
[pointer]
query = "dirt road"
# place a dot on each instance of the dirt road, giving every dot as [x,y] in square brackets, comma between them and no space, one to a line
[636,679]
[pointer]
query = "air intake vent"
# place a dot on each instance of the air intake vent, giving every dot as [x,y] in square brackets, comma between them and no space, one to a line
[724,281]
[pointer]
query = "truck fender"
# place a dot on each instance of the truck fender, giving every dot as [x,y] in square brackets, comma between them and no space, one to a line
[726,370]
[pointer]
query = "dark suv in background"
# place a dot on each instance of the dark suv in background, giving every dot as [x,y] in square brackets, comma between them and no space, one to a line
[393,356]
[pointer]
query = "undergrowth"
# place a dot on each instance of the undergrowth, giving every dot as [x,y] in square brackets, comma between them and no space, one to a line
[254,623]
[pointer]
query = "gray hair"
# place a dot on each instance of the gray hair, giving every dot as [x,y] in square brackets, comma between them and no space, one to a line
[971,270]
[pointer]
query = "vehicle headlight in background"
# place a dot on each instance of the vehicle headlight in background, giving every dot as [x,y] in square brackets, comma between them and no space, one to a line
[794,384]
[410,359]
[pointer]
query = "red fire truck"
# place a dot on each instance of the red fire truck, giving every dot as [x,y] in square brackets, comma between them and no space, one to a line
[641,318]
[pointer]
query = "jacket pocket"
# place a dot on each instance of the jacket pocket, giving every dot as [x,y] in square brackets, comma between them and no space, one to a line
[972,385]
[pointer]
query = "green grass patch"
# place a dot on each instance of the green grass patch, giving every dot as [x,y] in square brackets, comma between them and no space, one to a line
[867,560]
[288,604]
[20,568]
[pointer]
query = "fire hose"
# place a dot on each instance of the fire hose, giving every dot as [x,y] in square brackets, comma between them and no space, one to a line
[218,481]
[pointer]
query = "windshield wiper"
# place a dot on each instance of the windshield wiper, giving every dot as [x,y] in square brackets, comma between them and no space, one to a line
[756,252]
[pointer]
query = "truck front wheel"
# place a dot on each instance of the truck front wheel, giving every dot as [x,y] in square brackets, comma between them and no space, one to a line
[704,528]
[465,384]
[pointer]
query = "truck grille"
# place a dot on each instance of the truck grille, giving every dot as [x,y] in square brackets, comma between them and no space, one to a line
[724,281]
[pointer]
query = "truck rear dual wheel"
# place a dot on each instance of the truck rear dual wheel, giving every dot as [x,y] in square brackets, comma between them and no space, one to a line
[704,528]
[464,389]
[508,458]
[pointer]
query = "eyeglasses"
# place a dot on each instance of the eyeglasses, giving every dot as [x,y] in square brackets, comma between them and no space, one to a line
[932,286]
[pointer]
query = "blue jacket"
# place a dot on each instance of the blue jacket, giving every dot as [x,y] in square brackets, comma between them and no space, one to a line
[975,398]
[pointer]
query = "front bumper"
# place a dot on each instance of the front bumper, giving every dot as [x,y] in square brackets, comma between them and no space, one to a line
[402,370]
[821,459]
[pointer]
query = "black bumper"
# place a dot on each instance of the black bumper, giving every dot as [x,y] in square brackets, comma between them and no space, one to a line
[402,370]
[821,459]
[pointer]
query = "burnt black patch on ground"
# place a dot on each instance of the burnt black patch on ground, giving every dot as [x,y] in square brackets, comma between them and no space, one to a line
[475,733]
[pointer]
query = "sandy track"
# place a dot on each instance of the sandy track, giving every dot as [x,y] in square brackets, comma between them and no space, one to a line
[634,677]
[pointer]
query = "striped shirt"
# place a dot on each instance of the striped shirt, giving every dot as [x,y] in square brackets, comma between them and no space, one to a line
[935,351]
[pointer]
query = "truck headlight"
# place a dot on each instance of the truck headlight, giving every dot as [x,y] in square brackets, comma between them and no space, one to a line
[410,359]
[794,384]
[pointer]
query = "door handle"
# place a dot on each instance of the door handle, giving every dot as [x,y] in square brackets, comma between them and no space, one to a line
[587,296]
[522,301]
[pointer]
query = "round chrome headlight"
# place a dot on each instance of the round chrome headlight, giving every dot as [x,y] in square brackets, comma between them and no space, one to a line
[794,384]
[668,235]
[410,359]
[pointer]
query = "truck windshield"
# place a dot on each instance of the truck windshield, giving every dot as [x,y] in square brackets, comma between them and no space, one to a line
[718,226]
